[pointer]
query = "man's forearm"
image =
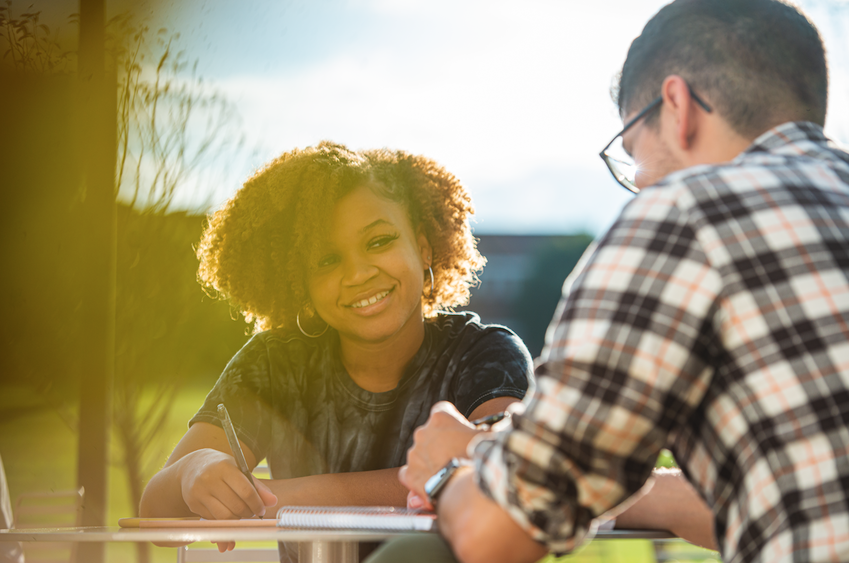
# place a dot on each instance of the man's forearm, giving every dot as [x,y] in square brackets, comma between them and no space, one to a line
[478,529]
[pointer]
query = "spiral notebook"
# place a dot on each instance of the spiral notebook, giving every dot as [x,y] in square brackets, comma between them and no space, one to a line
[387,518]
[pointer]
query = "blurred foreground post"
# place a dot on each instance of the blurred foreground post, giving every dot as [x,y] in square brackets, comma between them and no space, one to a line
[97,131]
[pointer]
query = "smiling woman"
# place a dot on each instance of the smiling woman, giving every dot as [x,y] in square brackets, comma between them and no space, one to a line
[345,263]
[260,247]
[368,280]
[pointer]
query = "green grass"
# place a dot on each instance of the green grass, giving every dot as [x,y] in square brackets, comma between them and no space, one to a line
[39,451]
[609,551]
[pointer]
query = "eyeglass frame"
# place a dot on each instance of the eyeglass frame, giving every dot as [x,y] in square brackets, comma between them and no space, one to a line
[643,112]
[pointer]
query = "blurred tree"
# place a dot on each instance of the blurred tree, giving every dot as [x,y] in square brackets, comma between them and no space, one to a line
[30,45]
[168,335]
[40,227]
[170,125]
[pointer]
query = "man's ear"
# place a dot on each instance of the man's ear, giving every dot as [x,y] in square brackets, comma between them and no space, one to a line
[680,108]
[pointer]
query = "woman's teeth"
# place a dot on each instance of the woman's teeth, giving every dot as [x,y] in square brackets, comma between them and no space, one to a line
[371,300]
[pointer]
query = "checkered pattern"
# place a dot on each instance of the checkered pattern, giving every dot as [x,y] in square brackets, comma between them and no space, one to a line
[713,319]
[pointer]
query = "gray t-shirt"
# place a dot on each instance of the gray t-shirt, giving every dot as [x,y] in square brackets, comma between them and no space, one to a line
[291,399]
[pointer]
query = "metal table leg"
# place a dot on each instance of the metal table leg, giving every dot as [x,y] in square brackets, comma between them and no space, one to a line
[328,552]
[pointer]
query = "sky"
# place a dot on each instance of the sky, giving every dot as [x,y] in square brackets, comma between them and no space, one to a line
[512,97]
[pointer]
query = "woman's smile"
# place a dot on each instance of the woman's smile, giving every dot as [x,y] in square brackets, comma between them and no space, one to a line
[366,305]
[368,274]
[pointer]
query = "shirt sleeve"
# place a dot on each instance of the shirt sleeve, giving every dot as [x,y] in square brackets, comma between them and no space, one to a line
[244,388]
[497,365]
[627,359]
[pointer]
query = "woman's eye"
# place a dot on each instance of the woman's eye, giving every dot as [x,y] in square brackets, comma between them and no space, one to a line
[377,242]
[328,260]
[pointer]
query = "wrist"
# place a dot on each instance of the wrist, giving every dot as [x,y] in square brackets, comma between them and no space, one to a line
[188,470]
[182,466]
[464,517]
[437,483]
[455,510]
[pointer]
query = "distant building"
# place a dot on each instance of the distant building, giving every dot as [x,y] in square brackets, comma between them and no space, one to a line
[522,280]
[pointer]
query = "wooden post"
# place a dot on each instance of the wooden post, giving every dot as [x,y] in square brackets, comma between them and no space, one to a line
[97,137]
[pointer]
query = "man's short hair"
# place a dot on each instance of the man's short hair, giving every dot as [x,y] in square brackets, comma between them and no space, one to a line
[759,62]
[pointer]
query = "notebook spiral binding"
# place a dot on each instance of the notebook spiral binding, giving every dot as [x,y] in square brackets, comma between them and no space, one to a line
[356,518]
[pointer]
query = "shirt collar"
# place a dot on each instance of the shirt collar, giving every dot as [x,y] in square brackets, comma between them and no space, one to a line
[785,136]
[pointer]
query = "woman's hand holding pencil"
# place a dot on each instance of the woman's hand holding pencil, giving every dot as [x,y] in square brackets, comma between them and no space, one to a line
[214,487]
[218,486]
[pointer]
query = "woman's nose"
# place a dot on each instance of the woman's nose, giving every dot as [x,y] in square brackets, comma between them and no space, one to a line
[358,272]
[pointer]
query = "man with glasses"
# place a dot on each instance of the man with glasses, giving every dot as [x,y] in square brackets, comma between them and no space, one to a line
[712,318]
[619,160]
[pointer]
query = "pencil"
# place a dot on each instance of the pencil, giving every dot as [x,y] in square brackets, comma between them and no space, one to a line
[238,455]
[137,522]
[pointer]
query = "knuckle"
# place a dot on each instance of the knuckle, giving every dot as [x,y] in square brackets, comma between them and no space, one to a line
[203,480]
[439,406]
[196,490]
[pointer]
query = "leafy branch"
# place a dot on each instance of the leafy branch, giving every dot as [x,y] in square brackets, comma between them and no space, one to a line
[170,122]
[30,45]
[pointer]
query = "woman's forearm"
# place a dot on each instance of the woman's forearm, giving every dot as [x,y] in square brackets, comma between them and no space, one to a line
[163,496]
[363,488]
[672,504]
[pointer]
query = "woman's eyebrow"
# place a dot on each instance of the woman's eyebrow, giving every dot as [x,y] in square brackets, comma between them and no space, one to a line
[374,224]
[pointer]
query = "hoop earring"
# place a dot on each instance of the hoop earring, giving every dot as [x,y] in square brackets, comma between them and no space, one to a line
[298,322]
[429,269]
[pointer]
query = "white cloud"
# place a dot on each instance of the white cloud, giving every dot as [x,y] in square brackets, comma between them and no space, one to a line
[507,95]
[504,92]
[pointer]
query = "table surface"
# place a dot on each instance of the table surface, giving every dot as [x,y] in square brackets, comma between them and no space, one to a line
[116,534]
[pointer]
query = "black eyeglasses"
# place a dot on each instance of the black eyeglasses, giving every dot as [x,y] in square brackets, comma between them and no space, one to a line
[619,162]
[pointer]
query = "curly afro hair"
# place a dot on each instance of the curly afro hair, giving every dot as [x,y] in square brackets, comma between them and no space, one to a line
[254,250]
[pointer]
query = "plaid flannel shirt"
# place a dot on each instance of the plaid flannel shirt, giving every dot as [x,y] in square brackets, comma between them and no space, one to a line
[712,319]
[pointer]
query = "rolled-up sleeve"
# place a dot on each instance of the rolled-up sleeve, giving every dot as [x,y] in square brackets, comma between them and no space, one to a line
[627,359]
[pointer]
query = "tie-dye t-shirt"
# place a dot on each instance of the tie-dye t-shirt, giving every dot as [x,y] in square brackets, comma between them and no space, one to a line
[292,401]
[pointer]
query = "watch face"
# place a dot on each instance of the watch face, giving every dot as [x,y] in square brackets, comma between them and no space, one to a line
[435,480]
[435,484]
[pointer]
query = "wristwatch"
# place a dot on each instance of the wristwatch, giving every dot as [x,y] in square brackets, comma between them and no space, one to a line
[435,484]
